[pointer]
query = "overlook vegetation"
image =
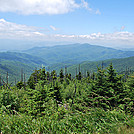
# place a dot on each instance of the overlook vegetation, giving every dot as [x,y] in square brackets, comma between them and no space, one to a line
[101,102]
[88,96]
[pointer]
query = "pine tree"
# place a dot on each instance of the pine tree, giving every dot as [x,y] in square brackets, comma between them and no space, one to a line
[111,74]
[43,73]
[61,76]
[115,87]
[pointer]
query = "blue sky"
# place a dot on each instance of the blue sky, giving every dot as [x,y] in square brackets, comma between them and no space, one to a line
[101,22]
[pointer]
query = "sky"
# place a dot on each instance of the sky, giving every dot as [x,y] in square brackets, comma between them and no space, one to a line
[97,22]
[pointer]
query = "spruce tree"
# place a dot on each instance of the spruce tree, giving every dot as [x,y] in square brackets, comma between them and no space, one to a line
[61,76]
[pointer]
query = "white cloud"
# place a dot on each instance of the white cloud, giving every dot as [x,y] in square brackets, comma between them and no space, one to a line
[116,40]
[53,28]
[10,30]
[98,11]
[98,36]
[86,6]
[2,20]
[16,31]
[28,7]
[122,28]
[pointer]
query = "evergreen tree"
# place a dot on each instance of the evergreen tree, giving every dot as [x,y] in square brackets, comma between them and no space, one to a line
[100,77]
[61,76]
[115,87]
[20,84]
[48,76]
[111,74]
[43,74]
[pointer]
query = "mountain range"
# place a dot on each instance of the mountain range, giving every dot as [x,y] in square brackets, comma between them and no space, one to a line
[57,57]
[77,53]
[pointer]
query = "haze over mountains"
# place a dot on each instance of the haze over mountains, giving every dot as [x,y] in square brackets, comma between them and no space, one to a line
[77,53]
[21,45]
[57,57]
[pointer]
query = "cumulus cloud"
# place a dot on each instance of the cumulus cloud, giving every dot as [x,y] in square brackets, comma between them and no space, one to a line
[27,7]
[10,30]
[117,39]
[30,7]
[16,31]
[99,36]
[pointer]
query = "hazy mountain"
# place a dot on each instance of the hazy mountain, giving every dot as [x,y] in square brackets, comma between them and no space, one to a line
[19,45]
[77,53]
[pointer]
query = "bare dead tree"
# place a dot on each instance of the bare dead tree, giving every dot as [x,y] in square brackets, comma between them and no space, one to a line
[36,75]
[102,65]
[6,84]
[22,75]
[65,73]
[15,81]
[0,80]
[79,67]
[7,77]
[24,81]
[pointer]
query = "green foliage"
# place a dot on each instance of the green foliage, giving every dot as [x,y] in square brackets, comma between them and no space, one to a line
[9,101]
[123,65]
[36,76]
[101,103]
[20,84]
[61,75]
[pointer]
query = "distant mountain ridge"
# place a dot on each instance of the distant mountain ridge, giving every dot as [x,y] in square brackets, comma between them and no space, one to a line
[77,53]
[21,57]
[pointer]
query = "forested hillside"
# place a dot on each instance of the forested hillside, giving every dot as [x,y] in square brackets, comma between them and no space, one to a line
[21,57]
[13,63]
[77,53]
[121,65]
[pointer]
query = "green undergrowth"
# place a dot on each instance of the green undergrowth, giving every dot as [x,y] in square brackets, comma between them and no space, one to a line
[101,103]
[67,121]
